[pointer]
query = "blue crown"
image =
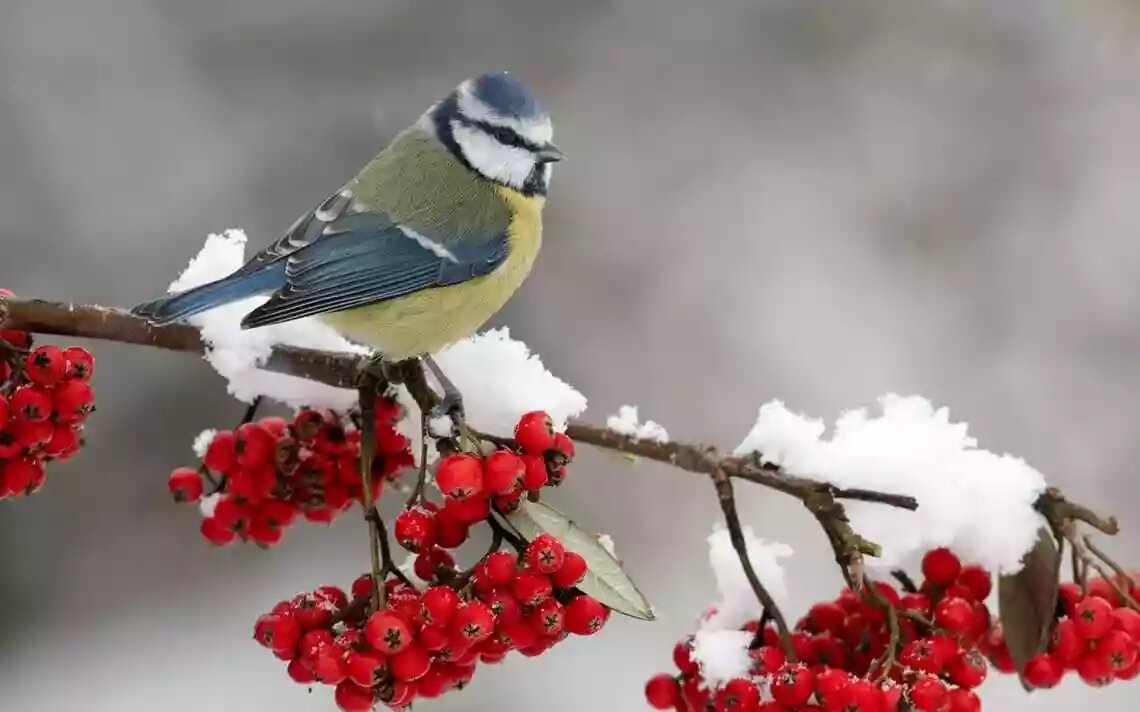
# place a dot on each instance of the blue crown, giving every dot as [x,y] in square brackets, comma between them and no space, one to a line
[506,96]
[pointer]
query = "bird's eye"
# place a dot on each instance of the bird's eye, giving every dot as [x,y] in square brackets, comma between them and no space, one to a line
[504,135]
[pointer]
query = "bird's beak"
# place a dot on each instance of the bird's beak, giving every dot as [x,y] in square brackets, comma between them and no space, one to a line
[550,154]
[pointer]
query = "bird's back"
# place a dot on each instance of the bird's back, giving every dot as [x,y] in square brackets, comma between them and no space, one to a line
[422,186]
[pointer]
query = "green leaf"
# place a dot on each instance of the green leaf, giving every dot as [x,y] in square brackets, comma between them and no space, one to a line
[1027,601]
[605,579]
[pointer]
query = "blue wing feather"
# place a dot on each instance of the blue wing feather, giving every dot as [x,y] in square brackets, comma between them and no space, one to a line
[365,258]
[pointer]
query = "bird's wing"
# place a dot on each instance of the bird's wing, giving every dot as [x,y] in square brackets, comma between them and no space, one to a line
[362,258]
[308,228]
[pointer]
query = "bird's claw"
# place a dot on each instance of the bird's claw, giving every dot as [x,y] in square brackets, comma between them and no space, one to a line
[451,408]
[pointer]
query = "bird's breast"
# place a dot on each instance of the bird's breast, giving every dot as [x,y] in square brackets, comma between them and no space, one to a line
[428,320]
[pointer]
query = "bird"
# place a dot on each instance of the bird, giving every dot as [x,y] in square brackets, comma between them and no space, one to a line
[424,245]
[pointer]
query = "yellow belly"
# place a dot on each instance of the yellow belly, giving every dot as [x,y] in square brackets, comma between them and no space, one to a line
[428,320]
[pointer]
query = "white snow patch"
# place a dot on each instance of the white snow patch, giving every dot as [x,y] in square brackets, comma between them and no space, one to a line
[626,422]
[978,503]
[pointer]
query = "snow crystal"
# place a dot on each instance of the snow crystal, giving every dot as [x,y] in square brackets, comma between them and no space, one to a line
[237,353]
[607,543]
[972,500]
[719,645]
[626,423]
[208,503]
[499,377]
[202,442]
[722,654]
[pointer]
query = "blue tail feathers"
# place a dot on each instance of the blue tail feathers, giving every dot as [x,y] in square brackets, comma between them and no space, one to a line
[208,296]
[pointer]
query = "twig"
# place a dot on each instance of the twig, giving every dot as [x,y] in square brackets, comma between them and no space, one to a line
[421,476]
[736,535]
[1058,510]
[904,580]
[368,390]
[387,563]
[1121,574]
[887,659]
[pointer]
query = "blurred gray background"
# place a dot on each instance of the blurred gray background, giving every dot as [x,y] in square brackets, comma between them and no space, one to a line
[814,200]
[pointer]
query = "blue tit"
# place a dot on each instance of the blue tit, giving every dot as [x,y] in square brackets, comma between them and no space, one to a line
[424,245]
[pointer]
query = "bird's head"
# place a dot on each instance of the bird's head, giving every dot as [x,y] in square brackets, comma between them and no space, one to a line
[496,127]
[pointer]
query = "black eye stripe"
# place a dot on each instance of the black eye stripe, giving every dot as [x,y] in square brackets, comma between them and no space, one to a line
[502,134]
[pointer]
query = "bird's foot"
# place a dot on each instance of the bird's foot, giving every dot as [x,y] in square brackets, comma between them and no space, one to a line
[376,370]
[448,419]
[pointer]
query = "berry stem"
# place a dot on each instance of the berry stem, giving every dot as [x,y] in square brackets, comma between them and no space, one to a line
[421,477]
[887,660]
[1121,574]
[723,485]
[905,581]
[369,387]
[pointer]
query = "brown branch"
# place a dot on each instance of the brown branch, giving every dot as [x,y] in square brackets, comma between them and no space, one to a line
[727,500]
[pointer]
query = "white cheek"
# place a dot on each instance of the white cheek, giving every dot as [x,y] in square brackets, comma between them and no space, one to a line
[506,164]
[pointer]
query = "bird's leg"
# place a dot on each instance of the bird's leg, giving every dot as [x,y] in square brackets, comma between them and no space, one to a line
[452,403]
[376,368]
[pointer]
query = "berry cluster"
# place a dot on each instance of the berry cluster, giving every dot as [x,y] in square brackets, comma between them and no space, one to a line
[423,644]
[1097,637]
[266,472]
[45,396]
[472,485]
[846,659]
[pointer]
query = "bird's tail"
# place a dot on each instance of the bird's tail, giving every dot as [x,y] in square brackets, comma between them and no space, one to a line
[206,297]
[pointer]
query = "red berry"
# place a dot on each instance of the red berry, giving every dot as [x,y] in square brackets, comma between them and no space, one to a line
[80,363]
[545,554]
[351,697]
[954,614]
[1095,668]
[438,605]
[299,671]
[402,695]
[792,685]
[1042,672]
[683,658]
[921,655]
[4,410]
[216,532]
[45,365]
[221,453]
[928,694]
[387,632]
[968,670]
[564,446]
[962,701]
[427,564]
[415,529]
[531,588]
[474,621]
[572,571]
[503,472]
[470,510]
[1093,617]
[941,566]
[738,695]
[283,635]
[30,404]
[1066,646]
[1101,588]
[534,432]
[73,400]
[826,617]
[409,664]
[20,476]
[185,484]
[585,616]
[460,477]
[34,436]
[1120,649]
[518,634]
[978,580]
[1131,672]
[1070,594]
[768,659]
[501,567]
[449,531]
[1127,620]
[255,445]
[365,667]
[503,605]
[535,475]
[64,442]
[549,618]
[662,692]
